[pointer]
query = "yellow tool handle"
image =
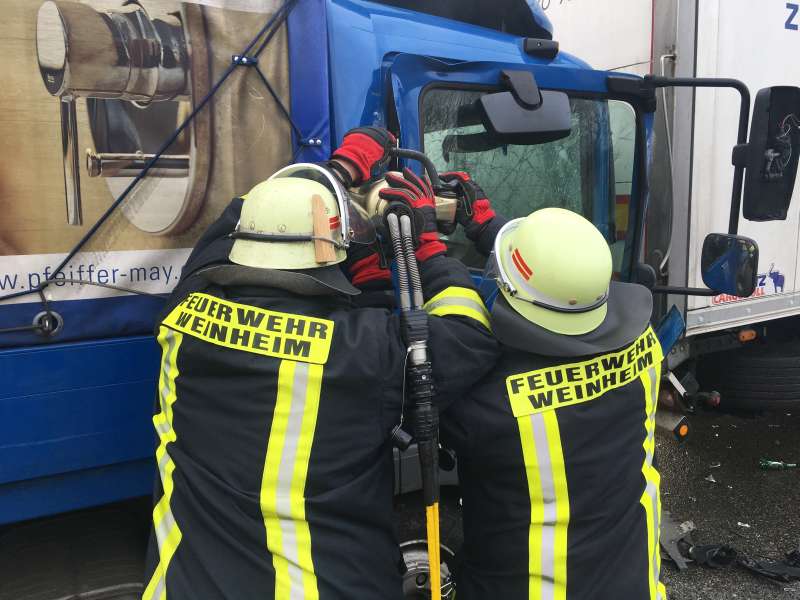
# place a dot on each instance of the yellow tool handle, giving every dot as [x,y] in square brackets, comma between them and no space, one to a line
[434,557]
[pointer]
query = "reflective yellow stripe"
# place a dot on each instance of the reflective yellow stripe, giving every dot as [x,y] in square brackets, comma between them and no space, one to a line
[549,497]
[291,437]
[662,591]
[562,505]
[651,498]
[168,534]
[307,430]
[459,301]
[535,494]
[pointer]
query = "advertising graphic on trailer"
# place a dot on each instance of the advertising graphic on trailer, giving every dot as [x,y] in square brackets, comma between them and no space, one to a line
[98,87]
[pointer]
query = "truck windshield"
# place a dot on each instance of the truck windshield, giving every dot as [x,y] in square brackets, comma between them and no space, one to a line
[589,172]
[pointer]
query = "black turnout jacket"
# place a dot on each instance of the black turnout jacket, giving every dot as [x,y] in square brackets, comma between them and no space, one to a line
[555,459]
[273,419]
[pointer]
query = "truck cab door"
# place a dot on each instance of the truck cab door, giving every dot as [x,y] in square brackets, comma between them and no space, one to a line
[598,170]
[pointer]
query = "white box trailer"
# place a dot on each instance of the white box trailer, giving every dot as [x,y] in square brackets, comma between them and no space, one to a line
[691,184]
[735,40]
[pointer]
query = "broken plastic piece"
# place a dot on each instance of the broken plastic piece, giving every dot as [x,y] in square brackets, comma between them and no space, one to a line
[778,570]
[675,540]
[714,556]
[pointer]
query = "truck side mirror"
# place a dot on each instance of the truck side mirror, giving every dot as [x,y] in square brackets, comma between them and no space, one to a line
[772,154]
[729,264]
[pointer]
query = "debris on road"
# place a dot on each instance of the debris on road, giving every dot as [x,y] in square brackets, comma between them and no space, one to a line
[780,570]
[776,465]
[766,502]
[675,538]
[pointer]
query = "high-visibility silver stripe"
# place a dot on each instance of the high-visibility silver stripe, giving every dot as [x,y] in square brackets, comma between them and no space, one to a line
[549,506]
[460,301]
[652,492]
[161,588]
[166,365]
[651,489]
[162,427]
[162,422]
[651,414]
[164,528]
[294,423]
[162,465]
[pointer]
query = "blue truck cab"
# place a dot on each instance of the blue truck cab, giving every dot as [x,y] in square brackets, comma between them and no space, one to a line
[75,416]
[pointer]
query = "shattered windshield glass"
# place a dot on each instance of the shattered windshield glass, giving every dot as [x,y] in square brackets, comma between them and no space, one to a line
[589,172]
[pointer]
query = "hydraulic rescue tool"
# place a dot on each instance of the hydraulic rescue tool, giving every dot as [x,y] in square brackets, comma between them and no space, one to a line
[419,374]
[368,195]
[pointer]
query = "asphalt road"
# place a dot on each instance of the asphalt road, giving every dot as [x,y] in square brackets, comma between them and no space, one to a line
[757,512]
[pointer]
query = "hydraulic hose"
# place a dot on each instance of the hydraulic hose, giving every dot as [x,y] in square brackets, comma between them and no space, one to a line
[414,279]
[400,259]
[425,417]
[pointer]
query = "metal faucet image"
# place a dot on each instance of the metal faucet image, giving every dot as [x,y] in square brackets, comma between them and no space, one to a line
[133,70]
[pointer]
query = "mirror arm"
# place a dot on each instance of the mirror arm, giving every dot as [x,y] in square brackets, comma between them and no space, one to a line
[523,87]
[683,291]
[744,116]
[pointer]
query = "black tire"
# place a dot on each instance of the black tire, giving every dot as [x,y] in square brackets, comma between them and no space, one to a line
[763,376]
[412,534]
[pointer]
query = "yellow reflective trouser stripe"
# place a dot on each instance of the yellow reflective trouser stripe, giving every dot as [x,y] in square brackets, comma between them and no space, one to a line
[651,500]
[459,301]
[168,535]
[549,496]
[283,483]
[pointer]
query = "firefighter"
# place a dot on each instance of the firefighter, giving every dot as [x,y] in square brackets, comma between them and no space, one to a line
[277,398]
[555,446]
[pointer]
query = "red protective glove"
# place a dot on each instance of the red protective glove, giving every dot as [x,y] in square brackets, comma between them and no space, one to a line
[474,209]
[363,265]
[364,148]
[418,194]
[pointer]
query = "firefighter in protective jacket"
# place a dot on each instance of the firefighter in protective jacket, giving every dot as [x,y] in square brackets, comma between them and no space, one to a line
[277,397]
[555,446]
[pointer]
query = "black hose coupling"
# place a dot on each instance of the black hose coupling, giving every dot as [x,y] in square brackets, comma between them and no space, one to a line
[415,326]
